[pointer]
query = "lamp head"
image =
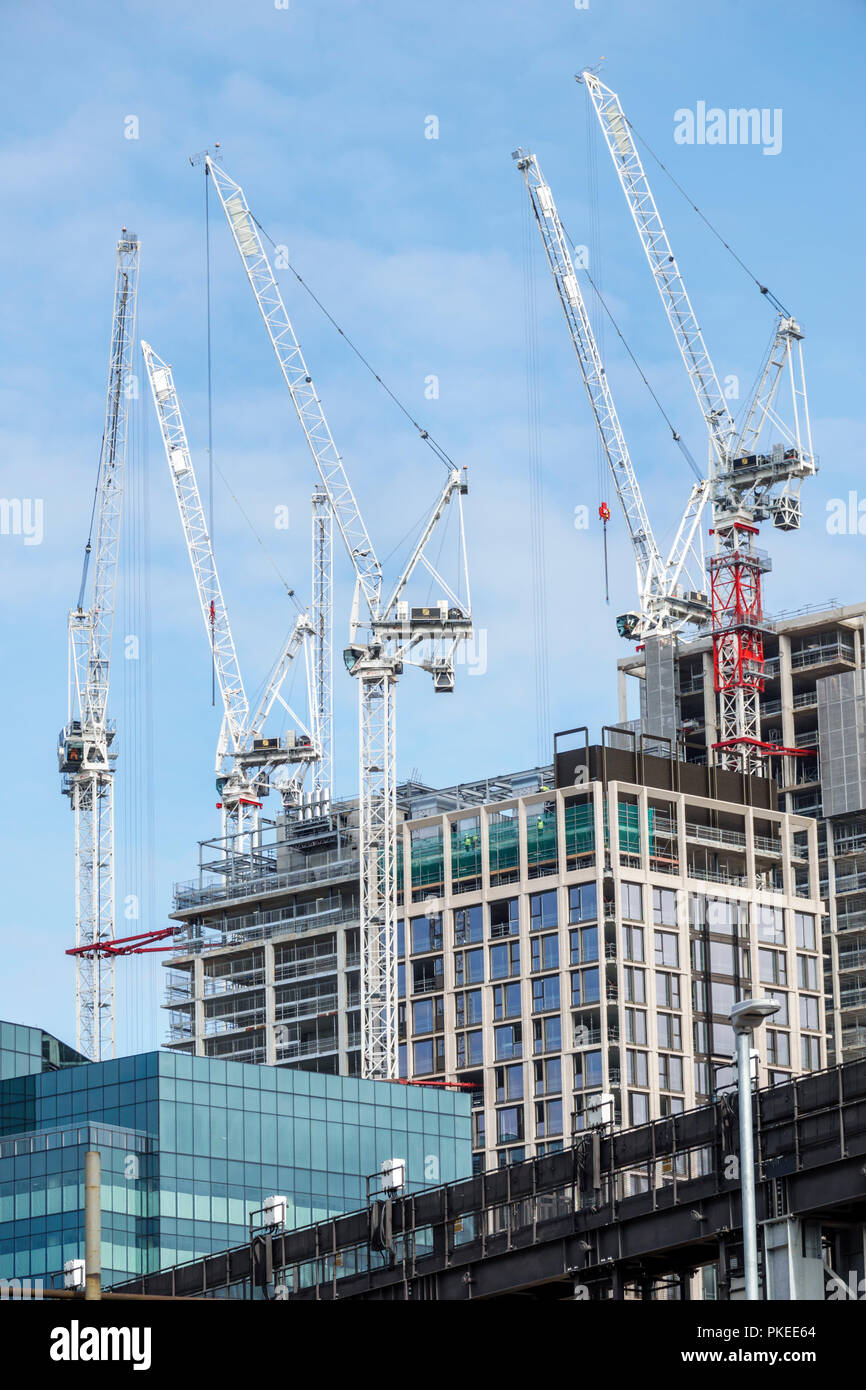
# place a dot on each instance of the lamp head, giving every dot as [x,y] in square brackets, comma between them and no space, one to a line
[749,1014]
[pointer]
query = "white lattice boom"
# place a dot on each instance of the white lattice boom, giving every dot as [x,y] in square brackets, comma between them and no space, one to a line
[84,753]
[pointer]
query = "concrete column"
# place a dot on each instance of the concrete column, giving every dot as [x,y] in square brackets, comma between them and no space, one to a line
[198,1005]
[787,697]
[622,694]
[710,722]
[270,1005]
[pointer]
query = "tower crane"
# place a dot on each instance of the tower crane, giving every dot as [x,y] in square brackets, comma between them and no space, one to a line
[246,760]
[85,753]
[747,486]
[666,604]
[385,634]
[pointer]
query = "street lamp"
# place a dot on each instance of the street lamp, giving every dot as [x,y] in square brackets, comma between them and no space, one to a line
[745,1017]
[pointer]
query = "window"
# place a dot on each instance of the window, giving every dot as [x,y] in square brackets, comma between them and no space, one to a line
[632,943]
[548,1118]
[778,1048]
[723,996]
[635,1026]
[667,948]
[638,1107]
[670,1073]
[724,1043]
[508,1042]
[468,1007]
[809,1013]
[470,1048]
[631,901]
[509,1084]
[468,967]
[771,925]
[772,967]
[428,1056]
[636,1067]
[582,902]
[479,1138]
[427,975]
[543,910]
[585,1029]
[722,958]
[667,990]
[670,1031]
[468,924]
[635,984]
[584,945]
[505,918]
[509,1124]
[781,1018]
[545,993]
[724,918]
[506,1001]
[584,987]
[807,972]
[804,928]
[664,907]
[548,1077]
[504,960]
[426,933]
[545,953]
[587,1070]
[810,1053]
[547,1034]
[428,1015]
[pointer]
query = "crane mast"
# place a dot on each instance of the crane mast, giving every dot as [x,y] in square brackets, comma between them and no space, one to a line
[244,759]
[84,754]
[664,607]
[323,644]
[747,487]
[397,634]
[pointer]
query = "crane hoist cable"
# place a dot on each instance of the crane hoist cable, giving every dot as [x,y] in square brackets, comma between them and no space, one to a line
[604,513]
[675,434]
[768,293]
[425,435]
[209,392]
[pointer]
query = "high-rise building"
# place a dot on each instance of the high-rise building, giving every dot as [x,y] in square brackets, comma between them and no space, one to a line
[572,940]
[191,1148]
[814,702]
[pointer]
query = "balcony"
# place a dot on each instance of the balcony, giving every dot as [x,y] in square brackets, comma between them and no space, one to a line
[316,1048]
[823,654]
[305,1008]
[852,960]
[190,895]
[295,970]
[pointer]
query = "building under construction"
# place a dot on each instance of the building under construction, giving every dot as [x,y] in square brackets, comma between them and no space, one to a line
[813,711]
[571,940]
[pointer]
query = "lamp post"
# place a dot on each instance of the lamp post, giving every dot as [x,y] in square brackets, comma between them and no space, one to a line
[745,1017]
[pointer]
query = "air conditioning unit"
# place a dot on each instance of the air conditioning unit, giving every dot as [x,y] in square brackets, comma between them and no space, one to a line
[393,1172]
[274,1211]
[599,1109]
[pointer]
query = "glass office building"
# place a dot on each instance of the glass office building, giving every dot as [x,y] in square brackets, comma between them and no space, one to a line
[191,1146]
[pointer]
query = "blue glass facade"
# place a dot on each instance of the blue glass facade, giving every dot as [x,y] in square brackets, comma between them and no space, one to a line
[191,1145]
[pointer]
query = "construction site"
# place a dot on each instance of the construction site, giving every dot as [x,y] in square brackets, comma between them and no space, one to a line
[443,1041]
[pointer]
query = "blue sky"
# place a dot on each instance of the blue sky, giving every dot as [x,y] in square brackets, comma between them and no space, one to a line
[417,247]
